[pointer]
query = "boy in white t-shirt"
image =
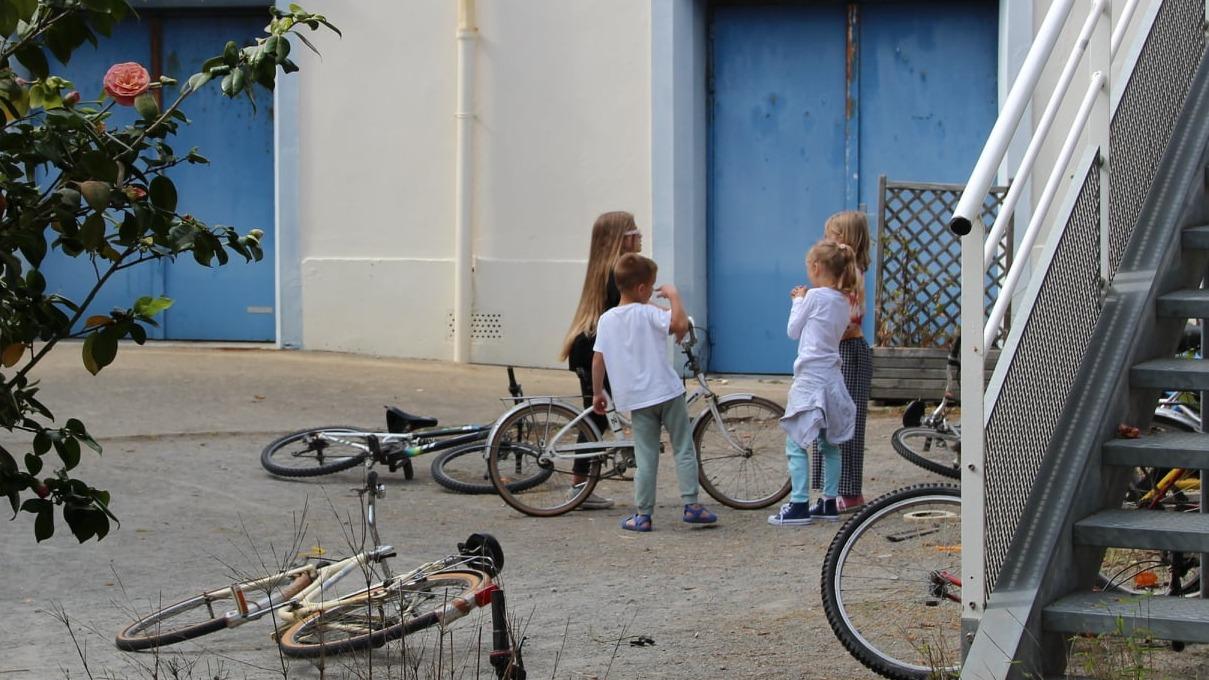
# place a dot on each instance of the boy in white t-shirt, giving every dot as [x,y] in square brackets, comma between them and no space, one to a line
[631,342]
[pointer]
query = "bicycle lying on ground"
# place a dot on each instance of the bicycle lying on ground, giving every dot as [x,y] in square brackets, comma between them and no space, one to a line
[459,467]
[739,442]
[380,606]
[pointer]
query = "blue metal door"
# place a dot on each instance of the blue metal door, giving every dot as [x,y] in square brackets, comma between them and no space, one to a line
[234,302]
[777,170]
[809,104]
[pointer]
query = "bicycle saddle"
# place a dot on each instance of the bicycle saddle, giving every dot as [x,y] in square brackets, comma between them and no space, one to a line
[399,421]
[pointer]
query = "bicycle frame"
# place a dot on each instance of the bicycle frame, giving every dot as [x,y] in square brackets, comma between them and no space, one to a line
[414,443]
[618,422]
[295,605]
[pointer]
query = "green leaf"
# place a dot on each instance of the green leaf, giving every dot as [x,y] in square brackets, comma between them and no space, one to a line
[147,107]
[149,306]
[138,334]
[89,363]
[41,443]
[129,232]
[44,525]
[230,54]
[197,80]
[69,451]
[104,347]
[92,234]
[33,463]
[163,193]
[100,522]
[32,58]
[98,165]
[37,506]
[8,18]
[74,426]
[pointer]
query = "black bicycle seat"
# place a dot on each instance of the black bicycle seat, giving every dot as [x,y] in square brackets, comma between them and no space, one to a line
[399,421]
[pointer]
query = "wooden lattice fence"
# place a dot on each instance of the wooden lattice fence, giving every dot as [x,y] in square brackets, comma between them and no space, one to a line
[918,292]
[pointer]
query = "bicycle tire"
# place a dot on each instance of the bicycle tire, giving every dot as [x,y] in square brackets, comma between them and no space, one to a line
[518,440]
[1140,571]
[152,630]
[446,462]
[380,616]
[275,452]
[759,470]
[922,534]
[903,434]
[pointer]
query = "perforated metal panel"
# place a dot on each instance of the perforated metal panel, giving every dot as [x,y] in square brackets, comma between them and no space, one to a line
[1055,336]
[1149,106]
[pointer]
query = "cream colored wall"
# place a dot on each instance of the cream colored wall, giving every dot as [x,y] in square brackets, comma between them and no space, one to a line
[562,133]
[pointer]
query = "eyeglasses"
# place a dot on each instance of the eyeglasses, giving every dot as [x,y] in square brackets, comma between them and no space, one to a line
[633,232]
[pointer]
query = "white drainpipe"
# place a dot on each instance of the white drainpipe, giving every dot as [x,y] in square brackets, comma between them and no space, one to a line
[463,283]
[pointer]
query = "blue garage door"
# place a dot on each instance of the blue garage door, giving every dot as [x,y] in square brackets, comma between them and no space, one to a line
[800,130]
[234,302]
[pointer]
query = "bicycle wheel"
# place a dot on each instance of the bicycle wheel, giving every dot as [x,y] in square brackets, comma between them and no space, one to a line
[929,448]
[203,614]
[515,450]
[751,475]
[1154,572]
[464,470]
[299,455]
[890,583]
[384,614]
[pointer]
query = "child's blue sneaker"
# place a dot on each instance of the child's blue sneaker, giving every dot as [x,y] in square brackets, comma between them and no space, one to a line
[825,509]
[695,513]
[791,515]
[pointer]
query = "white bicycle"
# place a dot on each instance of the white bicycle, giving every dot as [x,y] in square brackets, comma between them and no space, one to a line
[740,449]
[315,620]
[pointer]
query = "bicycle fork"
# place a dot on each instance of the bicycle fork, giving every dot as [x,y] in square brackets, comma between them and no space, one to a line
[505,659]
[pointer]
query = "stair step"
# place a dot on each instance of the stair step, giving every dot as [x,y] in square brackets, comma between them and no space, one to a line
[1167,450]
[1196,238]
[1162,617]
[1171,374]
[1146,529]
[1191,303]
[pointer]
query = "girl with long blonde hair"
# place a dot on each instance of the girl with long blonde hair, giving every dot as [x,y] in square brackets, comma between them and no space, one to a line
[613,235]
[851,228]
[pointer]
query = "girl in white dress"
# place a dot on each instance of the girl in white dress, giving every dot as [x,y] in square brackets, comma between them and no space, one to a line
[819,405]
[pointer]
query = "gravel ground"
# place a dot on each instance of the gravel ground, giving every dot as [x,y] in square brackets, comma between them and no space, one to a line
[182,428]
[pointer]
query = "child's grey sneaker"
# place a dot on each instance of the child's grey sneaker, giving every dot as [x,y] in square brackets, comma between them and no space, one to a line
[791,515]
[825,509]
[592,502]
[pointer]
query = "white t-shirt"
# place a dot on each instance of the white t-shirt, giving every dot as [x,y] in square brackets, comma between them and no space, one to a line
[633,339]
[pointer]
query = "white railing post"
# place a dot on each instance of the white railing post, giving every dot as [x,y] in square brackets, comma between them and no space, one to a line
[1099,61]
[973,430]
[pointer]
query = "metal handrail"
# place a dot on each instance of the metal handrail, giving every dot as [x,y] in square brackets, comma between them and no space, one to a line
[1017,101]
[1057,175]
[1041,132]
[1097,43]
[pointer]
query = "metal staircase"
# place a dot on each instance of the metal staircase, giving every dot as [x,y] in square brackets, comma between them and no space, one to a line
[1044,473]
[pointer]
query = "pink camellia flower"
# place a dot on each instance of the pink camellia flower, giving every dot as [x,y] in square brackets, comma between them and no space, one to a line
[126,81]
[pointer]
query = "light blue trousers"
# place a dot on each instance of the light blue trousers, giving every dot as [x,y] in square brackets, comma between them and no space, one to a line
[799,469]
[648,422]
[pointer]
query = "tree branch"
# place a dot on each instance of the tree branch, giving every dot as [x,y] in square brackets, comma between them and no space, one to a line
[79,313]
